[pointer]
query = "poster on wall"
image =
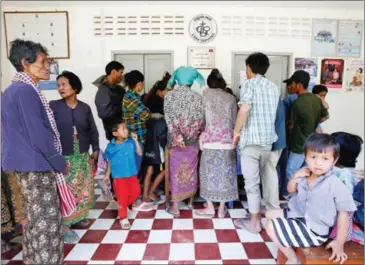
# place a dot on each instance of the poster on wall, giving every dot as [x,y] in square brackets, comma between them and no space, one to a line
[332,73]
[349,38]
[51,84]
[354,75]
[310,65]
[201,57]
[324,37]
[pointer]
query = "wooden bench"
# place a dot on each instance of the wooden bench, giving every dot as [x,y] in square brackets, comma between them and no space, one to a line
[319,255]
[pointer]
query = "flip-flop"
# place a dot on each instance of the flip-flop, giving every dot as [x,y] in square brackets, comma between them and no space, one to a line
[158,201]
[248,216]
[224,213]
[144,207]
[71,238]
[198,212]
[168,210]
[85,222]
[241,224]
[190,207]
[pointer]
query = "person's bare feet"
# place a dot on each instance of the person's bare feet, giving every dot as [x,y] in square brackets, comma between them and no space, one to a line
[222,211]
[248,225]
[209,212]
[84,223]
[152,196]
[190,203]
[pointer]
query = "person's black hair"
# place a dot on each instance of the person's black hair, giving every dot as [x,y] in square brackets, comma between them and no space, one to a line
[258,62]
[319,142]
[350,148]
[113,65]
[116,124]
[230,91]
[216,80]
[319,88]
[360,70]
[160,85]
[133,78]
[73,80]
[20,49]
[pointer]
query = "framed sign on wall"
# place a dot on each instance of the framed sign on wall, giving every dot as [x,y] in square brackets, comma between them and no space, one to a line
[50,28]
[201,57]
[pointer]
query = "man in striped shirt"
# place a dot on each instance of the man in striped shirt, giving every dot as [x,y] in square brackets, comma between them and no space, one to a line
[255,132]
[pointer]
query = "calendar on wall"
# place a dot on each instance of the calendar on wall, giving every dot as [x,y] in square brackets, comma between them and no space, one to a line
[50,28]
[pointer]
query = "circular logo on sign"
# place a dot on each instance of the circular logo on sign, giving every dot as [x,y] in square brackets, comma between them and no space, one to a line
[203,28]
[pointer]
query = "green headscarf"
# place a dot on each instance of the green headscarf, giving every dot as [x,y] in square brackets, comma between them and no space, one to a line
[185,76]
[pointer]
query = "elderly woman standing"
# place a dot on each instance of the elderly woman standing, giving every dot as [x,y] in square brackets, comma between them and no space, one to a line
[78,132]
[31,150]
[218,178]
[185,121]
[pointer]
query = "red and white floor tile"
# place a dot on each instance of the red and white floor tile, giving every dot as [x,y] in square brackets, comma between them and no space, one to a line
[158,238]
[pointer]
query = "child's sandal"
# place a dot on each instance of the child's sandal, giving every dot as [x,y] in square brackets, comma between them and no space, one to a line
[124,223]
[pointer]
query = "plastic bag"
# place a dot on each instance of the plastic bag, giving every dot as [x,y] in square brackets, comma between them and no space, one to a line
[105,190]
[101,161]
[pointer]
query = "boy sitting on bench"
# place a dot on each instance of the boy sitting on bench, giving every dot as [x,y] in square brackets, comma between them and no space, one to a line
[318,198]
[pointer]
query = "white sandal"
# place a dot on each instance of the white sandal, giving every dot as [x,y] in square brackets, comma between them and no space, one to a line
[144,207]
[124,223]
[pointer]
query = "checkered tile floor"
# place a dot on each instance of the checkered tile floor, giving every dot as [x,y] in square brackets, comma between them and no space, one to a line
[158,238]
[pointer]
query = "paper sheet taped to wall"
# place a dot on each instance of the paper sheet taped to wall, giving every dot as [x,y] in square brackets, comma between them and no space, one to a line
[201,57]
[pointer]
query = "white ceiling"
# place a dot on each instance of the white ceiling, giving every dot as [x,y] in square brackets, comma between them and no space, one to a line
[346,5]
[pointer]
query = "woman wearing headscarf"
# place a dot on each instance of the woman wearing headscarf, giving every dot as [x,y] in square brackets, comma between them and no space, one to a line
[218,178]
[184,116]
[31,149]
[78,133]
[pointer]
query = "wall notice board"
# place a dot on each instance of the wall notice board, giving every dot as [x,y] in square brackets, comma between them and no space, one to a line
[50,28]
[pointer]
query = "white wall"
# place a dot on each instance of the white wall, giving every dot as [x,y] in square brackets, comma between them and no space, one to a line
[90,54]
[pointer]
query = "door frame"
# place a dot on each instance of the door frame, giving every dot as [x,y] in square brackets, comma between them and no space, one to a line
[287,54]
[144,52]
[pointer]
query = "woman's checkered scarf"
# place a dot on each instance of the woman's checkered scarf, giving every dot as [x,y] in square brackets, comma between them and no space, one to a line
[67,199]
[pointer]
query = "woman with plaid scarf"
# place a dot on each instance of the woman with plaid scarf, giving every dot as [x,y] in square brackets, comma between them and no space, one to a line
[32,151]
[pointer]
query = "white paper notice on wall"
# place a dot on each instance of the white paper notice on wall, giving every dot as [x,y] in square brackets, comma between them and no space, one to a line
[201,57]
[349,38]
[48,28]
[243,76]
[324,37]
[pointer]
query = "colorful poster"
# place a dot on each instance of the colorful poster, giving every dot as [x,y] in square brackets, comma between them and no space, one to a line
[310,65]
[349,38]
[324,37]
[354,74]
[51,84]
[332,73]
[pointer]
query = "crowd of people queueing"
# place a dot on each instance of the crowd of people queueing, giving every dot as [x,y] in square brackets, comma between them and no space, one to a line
[48,173]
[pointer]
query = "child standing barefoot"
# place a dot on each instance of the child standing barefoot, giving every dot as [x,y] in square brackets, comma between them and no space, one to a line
[319,197]
[121,154]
